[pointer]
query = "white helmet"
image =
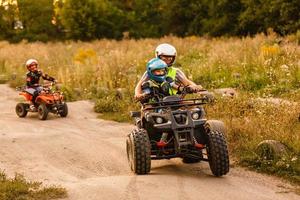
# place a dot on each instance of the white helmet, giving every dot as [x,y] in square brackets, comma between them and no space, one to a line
[30,62]
[165,50]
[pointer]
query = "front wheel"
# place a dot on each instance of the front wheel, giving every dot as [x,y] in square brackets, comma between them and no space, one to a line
[217,153]
[43,112]
[21,109]
[139,151]
[64,110]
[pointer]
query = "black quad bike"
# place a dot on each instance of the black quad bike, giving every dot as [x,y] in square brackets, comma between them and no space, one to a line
[173,127]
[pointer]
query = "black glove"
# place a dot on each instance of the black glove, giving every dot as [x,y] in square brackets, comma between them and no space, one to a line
[165,86]
[191,89]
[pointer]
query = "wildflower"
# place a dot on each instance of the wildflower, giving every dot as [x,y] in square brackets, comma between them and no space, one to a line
[287,165]
[82,56]
[284,67]
[270,50]
[294,159]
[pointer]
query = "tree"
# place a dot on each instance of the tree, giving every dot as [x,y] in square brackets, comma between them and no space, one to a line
[187,20]
[36,17]
[285,17]
[222,18]
[7,21]
[91,19]
[147,18]
[259,15]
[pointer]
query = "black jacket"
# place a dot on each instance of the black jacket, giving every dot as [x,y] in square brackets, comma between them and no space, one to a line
[33,78]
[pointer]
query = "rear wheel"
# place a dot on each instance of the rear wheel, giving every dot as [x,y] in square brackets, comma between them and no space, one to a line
[139,151]
[43,112]
[21,109]
[64,110]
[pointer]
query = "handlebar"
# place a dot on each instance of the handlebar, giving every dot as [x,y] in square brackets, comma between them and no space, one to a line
[183,91]
[46,85]
[188,90]
[50,84]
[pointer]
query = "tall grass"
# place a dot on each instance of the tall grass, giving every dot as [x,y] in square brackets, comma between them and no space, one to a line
[249,121]
[107,71]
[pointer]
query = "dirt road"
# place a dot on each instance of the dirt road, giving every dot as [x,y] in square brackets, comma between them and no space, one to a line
[87,156]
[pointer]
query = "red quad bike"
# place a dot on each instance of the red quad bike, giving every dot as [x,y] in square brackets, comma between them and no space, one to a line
[47,101]
[172,127]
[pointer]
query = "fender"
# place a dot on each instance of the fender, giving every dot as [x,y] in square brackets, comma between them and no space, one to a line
[26,96]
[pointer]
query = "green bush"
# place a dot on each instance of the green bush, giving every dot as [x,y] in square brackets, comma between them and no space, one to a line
[107,104]
[69,93]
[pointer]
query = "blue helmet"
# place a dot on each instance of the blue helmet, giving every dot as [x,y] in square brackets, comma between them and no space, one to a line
[157,70]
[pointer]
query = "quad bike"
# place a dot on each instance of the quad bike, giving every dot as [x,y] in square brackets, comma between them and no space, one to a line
[173,127]
[47,101]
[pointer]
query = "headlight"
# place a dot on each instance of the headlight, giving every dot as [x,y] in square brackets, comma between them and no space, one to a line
[159,120]
[195,115]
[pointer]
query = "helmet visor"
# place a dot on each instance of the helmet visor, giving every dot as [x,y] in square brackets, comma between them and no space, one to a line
[33,67]
[159,72]
[167,59]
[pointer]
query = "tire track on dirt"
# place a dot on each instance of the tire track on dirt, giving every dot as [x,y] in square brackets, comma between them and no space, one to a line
[131,191]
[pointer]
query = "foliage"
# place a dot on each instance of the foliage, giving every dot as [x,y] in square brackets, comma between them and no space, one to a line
[91,19]
[46,20]
[36,17]
[18,188]
[107,105]
[281,15]
[221,18]
[7,20]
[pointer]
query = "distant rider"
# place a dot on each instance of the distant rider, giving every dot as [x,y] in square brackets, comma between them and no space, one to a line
[33,77]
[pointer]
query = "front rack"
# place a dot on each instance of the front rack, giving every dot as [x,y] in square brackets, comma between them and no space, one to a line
[175,103]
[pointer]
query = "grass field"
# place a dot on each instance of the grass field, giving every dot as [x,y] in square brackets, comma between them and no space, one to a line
[106,71]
